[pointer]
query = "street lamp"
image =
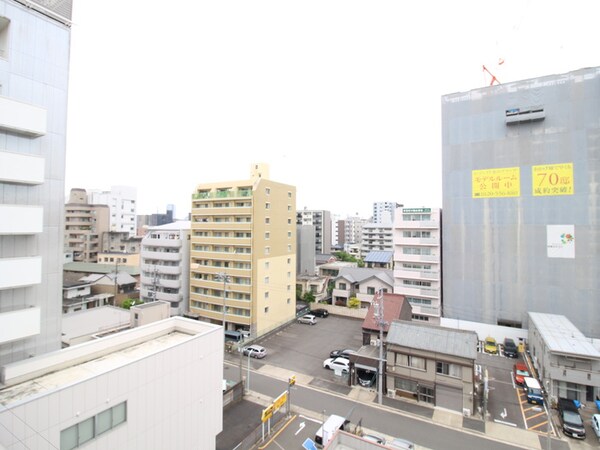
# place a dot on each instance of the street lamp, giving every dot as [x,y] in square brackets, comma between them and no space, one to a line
[222,276]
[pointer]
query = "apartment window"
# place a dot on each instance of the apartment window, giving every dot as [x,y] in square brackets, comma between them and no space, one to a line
[267,265]
[289,300]
[420,317]
[451,370]
[289,247]
[289,287]
[289,261]
[289,274]
[266,309]
[415,362]
[416,283]
[371,290]
[267,235]
[86,430]
[289,207]
[267,295]
[267,206]
[289,194]
[419,301]
[342,286]
[289,234]
[268,191]
[267,220]
[267,250]
[289,221]
[266,280]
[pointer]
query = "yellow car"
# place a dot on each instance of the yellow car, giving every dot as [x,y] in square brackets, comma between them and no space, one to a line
[490,346]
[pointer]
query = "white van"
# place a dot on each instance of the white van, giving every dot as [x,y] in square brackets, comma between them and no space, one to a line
[533,391]
[328,429]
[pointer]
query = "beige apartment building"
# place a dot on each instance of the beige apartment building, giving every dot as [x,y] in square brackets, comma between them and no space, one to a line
[243,253]
[84,226]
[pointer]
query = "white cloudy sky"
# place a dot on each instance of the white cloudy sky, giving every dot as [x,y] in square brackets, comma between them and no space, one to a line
[341,98]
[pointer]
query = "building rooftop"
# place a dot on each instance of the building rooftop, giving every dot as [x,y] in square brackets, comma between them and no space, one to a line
[561,336]
[92,321]
[379,257]
[99,268]
[392,309]
[433,338]
[360,274]
[55,370]
[178,225]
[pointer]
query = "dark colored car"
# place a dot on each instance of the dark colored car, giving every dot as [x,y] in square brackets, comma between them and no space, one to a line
[572,424]
[510,348]
[343,353]
[320,312]
[366,378]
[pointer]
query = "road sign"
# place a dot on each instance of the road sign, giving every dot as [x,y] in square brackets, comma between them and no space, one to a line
[280,401]
[267,413]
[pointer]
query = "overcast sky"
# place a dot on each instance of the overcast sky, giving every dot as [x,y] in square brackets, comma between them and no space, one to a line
[341,98]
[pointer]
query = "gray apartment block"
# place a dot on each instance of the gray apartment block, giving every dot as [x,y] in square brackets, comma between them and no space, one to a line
[521,201]
[34,69]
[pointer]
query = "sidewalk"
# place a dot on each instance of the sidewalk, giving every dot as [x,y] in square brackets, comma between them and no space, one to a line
[451,419]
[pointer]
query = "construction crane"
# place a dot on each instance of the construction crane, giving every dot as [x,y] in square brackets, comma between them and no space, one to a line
[494,79]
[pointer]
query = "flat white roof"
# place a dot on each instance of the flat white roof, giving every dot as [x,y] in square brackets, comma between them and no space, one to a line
[56,370]
[561,336]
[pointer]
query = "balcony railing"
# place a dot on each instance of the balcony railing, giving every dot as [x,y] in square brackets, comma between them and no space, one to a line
[222,194]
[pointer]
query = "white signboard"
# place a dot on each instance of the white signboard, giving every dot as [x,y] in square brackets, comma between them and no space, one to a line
[560,241]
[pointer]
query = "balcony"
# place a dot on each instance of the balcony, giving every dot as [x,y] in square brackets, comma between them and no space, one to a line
[22,118]
[167,270]
[341,293]
[21,169]
[221,226]
[418,224]
[169,297]
[19,324]
[21,219]
[425,310]
[163,256]
[428,275]
[20,272]
[418,291]
[172,243]
[416,258]
[433,241]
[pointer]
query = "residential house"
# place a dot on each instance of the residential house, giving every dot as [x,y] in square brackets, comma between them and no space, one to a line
[379,260]
[432,364]
[361,283]
[395,307]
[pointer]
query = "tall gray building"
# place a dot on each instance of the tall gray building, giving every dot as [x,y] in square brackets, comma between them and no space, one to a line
[521,201]
[34,63]
[321,220]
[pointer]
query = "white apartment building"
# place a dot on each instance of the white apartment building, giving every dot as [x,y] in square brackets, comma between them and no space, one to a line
[376,237]
[150,387]
[418,261]
[384,212]
[352,230]
[165,265]
[122,203]
[34,61]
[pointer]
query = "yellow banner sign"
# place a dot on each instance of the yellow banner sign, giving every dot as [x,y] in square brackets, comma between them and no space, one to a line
[552,179]
[280,401]
[502,182]
[267,413]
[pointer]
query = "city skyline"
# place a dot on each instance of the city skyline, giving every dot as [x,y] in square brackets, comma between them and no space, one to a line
[335,97]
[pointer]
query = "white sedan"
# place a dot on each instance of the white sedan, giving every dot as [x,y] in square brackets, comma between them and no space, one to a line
[337,364]
[596,424]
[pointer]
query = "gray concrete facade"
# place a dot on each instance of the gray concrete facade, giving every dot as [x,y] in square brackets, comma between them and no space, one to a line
[34,71]
[521,173]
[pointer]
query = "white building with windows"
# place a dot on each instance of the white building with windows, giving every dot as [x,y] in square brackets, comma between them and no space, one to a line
[151,387]
[121,201]
[34,79]
[418,261]
[376,237]
[384,212]
[165,265]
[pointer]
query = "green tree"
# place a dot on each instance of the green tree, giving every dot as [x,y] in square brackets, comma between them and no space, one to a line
[308,297]
[128,303]
[354,303]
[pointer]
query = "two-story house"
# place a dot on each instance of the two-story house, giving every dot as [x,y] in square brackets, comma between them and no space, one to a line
[361,283]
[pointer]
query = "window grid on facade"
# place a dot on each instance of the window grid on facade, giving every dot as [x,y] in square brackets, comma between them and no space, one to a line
[92,427]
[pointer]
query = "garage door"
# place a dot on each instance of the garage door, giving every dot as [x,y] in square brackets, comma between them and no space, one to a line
[448,397]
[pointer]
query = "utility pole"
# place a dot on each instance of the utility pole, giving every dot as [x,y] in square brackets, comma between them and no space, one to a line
[116,282]
[379,319]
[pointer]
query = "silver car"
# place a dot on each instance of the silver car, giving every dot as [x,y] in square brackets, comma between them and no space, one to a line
[308,319]
[255,351]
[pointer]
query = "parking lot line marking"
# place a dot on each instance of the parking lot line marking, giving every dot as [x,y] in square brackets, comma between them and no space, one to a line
[277,434]
[505,423]
[521,406]
[536,415]
[311,419]
[532,408]
[538,425]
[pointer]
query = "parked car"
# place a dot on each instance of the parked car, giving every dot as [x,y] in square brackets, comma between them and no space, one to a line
[308,319]
[596,424]
[337,363]
[320,312]
[572,425]
[490,346]
[510,348]
[374,438]
[366,378]
[520,372]
[255,351]
[343,353]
